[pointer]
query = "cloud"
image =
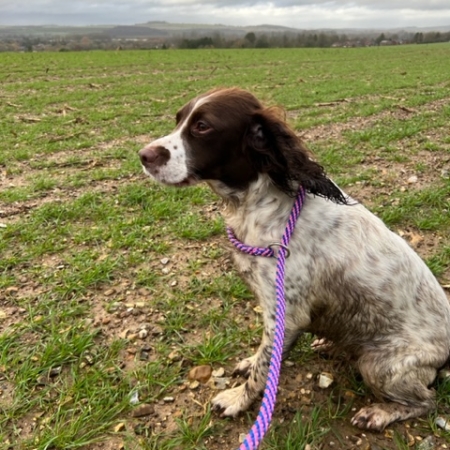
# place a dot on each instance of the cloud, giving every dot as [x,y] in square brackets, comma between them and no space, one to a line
[294,13]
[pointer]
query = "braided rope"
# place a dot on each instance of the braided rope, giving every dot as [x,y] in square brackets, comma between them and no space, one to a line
[262,422]
[254,251]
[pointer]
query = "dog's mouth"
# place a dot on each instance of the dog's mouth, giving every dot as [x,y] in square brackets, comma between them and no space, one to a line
[190,180]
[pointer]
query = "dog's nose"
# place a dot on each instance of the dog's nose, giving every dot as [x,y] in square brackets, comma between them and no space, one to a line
[148,155]
[154,156]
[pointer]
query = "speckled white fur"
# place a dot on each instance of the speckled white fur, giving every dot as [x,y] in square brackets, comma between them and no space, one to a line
[176,169]
[380,301]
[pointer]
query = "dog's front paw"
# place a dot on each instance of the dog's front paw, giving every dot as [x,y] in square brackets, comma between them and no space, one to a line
[244,367]
[372,418]
[232,401]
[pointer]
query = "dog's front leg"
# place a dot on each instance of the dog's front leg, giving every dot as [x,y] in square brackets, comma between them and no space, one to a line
[244,367]
[233,401]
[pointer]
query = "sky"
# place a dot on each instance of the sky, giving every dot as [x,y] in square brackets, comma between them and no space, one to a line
[303,14]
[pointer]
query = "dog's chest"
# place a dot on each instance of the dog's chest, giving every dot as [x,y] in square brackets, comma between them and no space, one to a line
[249,267]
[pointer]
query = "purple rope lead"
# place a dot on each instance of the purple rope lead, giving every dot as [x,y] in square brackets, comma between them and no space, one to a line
[262,422]
[255,251]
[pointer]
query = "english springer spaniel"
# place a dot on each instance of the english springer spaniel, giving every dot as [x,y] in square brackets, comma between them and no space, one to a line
[348,279]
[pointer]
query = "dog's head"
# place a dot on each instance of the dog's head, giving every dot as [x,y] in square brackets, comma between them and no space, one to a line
[227,136]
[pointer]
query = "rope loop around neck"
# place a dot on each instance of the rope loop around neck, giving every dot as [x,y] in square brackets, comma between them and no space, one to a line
[250,250]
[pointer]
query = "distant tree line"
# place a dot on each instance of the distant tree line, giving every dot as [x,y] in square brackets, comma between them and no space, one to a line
[309,39]
[216,40]
[197,43]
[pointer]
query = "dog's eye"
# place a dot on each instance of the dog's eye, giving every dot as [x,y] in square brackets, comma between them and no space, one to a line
[201,127]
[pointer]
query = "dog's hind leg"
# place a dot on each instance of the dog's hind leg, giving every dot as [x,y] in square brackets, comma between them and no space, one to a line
[402,382]
[379,415]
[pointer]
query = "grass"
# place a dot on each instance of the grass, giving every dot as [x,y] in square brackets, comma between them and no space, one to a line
[305,429]
[92,252]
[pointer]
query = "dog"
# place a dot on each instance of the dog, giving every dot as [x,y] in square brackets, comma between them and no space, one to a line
[349,279]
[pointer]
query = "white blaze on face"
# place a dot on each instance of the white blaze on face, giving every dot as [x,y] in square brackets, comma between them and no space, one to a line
[176,169]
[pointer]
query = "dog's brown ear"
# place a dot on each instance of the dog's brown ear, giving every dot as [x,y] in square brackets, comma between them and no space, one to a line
[275,149]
